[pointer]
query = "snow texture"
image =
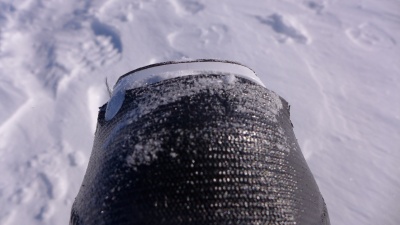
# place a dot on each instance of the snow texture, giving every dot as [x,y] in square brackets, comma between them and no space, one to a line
[336,62]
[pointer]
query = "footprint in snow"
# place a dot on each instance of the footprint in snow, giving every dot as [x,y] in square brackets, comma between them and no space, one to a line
[100,46]
[185,7]
[102,29]
[122,11]
[78,48]
[104,48]
[286,29]
[370,37]
[316,6]
[196,38]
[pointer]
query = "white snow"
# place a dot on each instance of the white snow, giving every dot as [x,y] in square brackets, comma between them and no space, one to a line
[336,62]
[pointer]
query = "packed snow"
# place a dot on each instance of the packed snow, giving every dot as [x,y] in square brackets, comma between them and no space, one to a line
[336,62]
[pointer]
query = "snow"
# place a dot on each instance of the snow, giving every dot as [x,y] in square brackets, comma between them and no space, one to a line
[336,62]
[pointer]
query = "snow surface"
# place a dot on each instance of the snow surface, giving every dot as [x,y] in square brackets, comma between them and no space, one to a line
[336,62]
